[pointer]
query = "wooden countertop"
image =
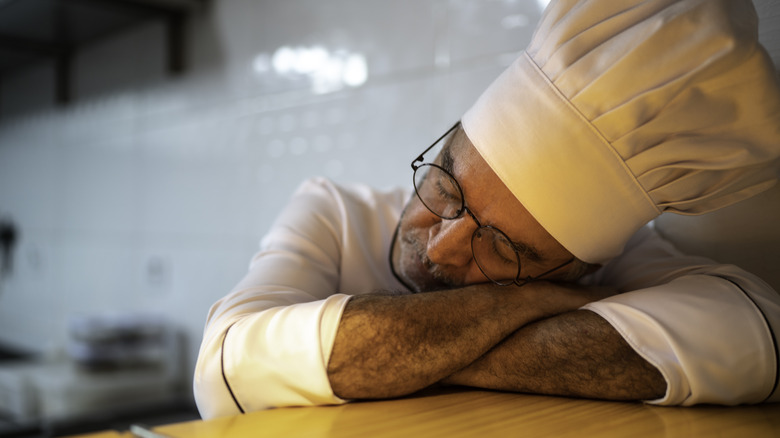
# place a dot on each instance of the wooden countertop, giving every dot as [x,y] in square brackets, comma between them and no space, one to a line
[475,413]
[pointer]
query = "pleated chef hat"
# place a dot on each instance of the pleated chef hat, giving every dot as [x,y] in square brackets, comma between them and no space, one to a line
[620,110]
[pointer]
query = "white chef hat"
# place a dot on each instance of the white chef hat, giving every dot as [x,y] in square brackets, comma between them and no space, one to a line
[620,110]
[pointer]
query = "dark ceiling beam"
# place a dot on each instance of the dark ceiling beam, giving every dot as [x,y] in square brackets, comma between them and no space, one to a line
[63,61]
[140,6]
[5,3]
[61,54]
[26,45]
[173,13]
[175,38]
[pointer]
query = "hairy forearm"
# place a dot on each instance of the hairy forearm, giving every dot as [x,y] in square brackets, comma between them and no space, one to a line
[572,354]
[389,346]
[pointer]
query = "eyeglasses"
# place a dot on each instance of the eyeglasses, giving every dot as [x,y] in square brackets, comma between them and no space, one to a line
[495,254]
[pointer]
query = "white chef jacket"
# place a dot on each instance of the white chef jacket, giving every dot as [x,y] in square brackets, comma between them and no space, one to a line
[708,328]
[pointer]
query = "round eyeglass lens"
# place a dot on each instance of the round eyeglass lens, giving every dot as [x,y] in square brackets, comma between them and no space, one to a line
[495,255]
[438,191]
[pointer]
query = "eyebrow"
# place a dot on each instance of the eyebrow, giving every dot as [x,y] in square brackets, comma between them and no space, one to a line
[448,164]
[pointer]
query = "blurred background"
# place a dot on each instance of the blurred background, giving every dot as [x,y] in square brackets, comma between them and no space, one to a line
[147,145]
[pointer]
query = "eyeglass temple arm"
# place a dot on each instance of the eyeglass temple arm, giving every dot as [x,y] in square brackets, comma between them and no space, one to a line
[419,159]
[541,276]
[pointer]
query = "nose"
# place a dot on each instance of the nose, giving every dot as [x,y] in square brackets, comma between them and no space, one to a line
[449,242]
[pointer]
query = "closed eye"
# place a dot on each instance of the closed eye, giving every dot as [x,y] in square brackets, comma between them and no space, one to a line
[503,249]
[446,188]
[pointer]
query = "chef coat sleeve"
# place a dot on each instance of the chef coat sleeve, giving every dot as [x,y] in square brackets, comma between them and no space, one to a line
[711,330]
[267,343]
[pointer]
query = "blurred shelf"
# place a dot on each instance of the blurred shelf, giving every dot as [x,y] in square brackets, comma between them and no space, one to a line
[35,30]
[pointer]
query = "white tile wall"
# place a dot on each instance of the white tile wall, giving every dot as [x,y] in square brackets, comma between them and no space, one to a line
[151,192]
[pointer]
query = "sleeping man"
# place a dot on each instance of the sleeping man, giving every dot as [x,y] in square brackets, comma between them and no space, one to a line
[524,258]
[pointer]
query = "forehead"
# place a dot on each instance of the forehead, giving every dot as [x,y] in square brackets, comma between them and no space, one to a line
[461,158]
[490,199]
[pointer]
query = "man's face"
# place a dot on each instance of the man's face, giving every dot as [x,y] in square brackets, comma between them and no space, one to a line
[432,253]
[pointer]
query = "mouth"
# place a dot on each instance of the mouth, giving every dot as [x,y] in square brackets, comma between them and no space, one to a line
[425,274]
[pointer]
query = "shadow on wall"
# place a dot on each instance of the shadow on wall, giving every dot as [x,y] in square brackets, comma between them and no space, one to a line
[745,234]
[9,235]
